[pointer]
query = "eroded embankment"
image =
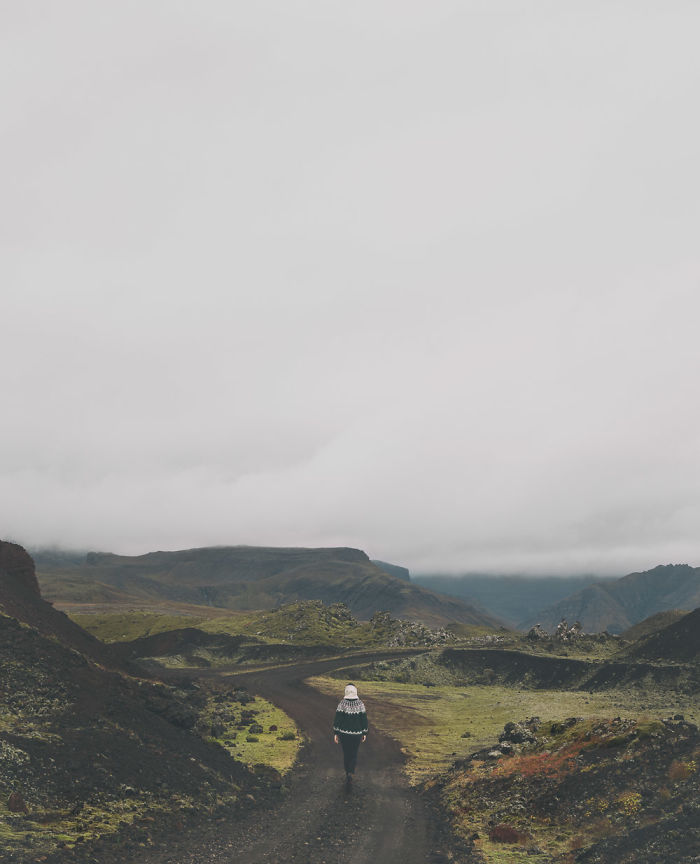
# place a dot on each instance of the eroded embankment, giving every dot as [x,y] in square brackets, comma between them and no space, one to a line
[192,647]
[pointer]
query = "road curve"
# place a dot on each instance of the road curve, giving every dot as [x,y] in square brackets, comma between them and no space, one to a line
[380,819]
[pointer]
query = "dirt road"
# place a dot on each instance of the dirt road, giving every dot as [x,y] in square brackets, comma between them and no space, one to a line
[381,819]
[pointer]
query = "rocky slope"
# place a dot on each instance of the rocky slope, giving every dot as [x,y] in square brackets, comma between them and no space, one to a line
[21,598]
[92,760]
[580,791]
[246,577]
[678,642]
[618,604]
[653,624]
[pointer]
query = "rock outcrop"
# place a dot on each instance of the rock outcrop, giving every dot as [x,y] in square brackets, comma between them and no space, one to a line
[20,598]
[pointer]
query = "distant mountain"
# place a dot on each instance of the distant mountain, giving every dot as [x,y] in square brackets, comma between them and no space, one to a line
[616,605]
[510,598]
[250,577]
[677,643]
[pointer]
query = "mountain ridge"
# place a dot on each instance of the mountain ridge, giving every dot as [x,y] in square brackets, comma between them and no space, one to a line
[618,605]
[252,577]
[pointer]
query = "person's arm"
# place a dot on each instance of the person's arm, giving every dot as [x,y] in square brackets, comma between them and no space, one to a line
[337,724]
[365,726]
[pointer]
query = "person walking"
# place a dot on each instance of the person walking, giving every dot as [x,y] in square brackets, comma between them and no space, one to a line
[350,728]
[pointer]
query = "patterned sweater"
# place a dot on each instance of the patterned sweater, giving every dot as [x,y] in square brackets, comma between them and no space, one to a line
[351,717]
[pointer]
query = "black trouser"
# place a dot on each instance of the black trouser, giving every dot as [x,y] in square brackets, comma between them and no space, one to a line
[351,744]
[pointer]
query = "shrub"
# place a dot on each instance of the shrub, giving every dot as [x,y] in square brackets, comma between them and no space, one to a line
[286,736]
[630,803]
[681,770]
[252,738]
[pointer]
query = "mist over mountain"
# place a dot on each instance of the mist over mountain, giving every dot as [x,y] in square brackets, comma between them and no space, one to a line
[510,598]
[618,604]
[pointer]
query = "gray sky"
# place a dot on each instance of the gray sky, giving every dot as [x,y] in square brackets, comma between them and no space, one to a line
[421,278]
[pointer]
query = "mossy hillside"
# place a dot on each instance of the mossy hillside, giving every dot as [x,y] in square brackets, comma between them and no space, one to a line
[41,831]
[80,746]
[126,626]
[251,729]
[307,623]
[304,623]
[583,790]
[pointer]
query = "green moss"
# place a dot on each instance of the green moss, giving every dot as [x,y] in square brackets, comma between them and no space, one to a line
[277,747]
[126,626]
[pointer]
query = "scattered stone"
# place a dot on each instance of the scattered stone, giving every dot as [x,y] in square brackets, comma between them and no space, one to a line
[516,733]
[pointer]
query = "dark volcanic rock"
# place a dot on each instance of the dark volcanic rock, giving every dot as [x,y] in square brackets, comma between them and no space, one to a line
[19,588]
[20,598]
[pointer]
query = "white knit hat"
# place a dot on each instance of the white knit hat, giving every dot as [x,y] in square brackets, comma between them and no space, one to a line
[351,692]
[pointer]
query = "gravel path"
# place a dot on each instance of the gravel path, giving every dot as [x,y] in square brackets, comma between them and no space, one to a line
[379,819]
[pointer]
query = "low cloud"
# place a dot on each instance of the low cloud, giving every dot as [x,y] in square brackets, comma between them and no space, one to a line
[418,280]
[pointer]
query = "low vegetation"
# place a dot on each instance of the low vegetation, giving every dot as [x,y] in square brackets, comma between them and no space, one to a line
[579,790]
[251,729]
[127,626]
[305,623]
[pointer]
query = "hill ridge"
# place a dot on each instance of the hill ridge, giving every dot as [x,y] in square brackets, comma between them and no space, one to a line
[618,605]
[254,577]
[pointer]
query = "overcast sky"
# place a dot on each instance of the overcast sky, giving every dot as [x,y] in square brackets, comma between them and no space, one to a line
[417,277]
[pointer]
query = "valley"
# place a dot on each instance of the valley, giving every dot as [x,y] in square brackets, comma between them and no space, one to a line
[172,733]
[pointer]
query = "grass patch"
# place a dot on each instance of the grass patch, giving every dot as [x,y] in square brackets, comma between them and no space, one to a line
[273,740]
[429,722]
[305,623]
[127,626]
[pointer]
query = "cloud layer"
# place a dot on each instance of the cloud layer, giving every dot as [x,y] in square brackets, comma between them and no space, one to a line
[419,278]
